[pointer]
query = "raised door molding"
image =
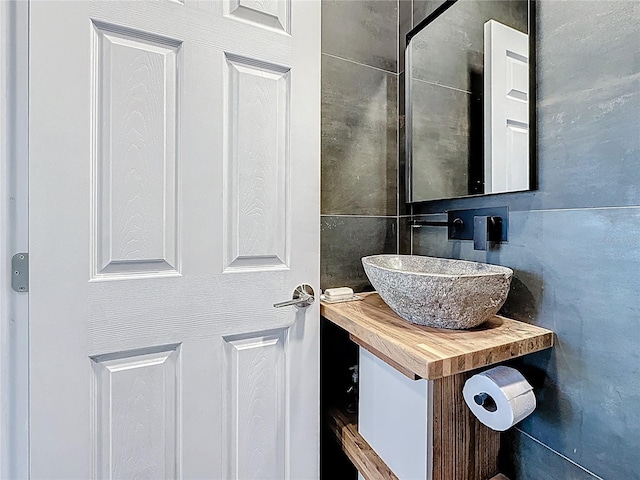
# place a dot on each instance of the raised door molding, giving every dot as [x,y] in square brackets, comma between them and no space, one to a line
[256,389]
[256,178]
[273,14]
[135,160]
[136,405]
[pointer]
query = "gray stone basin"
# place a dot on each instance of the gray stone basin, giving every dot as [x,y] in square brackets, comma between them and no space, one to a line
[439,292]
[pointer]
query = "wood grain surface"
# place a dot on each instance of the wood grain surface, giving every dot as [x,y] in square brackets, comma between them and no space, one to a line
[433,353]
[406,372]
[463,448]
[363,457]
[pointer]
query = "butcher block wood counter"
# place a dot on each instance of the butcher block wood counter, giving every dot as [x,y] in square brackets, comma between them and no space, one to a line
[433,353]
[461,448]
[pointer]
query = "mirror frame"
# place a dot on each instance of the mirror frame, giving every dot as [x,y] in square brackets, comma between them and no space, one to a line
[533,131]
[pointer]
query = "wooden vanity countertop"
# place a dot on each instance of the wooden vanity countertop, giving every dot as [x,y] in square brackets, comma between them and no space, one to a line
[428,352]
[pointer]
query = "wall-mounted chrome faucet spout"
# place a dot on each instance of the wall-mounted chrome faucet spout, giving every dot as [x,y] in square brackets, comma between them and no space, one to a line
[482,225]
[457,223]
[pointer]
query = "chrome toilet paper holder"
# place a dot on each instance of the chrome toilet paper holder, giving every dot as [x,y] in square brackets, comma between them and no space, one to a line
[485,400]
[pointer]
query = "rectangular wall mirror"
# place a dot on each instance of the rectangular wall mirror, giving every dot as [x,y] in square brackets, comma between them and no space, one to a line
[470,100]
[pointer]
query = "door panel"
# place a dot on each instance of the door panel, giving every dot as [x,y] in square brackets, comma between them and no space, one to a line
[137,414]
[256,190]
[168,143]
[134,143]
[254,407]
[269,13]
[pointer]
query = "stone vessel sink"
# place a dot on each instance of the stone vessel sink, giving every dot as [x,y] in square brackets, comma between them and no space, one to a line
[439,292]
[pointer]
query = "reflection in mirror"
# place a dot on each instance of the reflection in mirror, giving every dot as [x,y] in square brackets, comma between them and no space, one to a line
[468,100]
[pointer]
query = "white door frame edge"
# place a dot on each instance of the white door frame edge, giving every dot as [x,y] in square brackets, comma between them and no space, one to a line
[14,230]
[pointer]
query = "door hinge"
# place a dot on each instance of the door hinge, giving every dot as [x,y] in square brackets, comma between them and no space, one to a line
[20,272]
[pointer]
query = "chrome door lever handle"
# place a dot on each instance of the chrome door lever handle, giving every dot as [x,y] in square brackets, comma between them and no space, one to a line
[302,301]
[302,297]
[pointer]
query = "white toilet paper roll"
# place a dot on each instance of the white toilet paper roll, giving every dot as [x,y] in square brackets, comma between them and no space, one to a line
[499,397]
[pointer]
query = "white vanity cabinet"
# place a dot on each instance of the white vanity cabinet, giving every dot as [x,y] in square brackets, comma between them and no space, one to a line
[394,417]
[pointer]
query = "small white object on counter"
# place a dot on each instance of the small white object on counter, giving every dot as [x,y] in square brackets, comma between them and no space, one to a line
[339,293]
[499,397]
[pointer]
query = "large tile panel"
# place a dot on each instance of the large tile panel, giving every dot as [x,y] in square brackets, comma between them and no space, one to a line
[404,235]
[586,45]
[576,273]
[364,31]
[345,240]
[359,144]
[442,150]
[589,103]
[527,459]
[423,8]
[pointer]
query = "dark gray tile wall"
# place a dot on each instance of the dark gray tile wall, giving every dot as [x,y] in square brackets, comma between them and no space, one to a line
[345,240]
[576,273]
[405,24]
[423,8]
[359,139]
[404,235]
[574,245]
[529,460]
[364,31]
[359,194]
[441,147]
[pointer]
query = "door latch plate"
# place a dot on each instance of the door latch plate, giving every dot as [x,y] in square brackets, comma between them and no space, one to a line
[20,272]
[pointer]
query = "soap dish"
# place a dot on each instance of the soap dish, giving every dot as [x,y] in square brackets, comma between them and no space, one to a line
[341,300]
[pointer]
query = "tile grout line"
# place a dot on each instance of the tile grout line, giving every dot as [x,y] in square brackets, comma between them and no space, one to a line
[397,159]
[357,63]
[442,85]
[577,209]
[355,215]
[564,457]
[410,205]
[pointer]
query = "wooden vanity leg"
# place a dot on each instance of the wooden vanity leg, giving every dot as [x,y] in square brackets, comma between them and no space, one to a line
[463,448]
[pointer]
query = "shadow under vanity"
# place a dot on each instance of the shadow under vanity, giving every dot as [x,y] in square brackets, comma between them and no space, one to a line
[413,421]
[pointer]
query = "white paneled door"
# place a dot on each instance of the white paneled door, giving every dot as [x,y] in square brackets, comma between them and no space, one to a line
[174,197]
[506,103]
